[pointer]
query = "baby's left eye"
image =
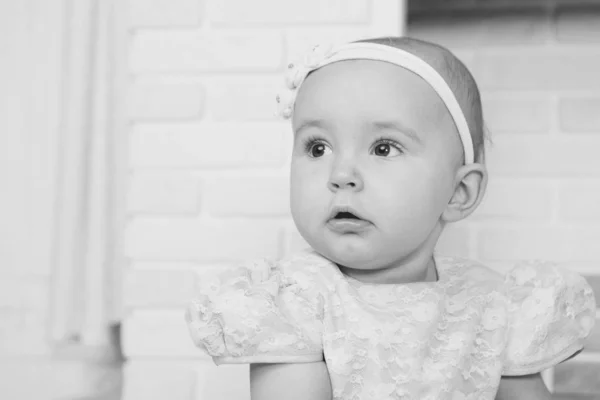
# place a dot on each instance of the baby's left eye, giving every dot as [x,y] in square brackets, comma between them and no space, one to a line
[386,149]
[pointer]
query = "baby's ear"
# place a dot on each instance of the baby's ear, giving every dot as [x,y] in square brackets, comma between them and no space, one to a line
[471,182]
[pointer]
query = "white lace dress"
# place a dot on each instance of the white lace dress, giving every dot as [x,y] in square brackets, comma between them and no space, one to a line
[450,339]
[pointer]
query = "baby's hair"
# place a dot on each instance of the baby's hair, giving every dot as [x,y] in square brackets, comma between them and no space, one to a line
[456,75]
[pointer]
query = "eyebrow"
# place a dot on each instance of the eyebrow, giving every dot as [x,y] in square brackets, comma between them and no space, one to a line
[311,123]
[377,125]
[397,126]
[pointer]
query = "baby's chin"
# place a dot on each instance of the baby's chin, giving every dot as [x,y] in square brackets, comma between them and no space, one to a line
[352,257]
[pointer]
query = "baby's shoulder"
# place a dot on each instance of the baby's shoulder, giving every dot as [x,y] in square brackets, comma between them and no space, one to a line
[525,273]
[267,310]
[467,273]
[308,268]
[548,310]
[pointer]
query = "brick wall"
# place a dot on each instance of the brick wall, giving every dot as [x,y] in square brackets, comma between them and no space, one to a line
[209,161]
[538,71]
[208,158]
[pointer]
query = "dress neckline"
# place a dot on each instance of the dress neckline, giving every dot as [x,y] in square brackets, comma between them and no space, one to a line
[439,264]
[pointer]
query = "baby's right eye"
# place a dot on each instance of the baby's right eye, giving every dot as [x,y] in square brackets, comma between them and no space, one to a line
[317,148]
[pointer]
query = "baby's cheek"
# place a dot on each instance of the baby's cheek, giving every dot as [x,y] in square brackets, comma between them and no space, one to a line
[308,184]
[306,203]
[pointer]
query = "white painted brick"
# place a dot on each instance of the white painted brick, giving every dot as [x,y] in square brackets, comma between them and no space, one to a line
[185,266]
[484,5]
[516,113]
[301,40]
[518,242]
[191,51]
[518,200]
[21,293]
[388,18]
[526,26]
[159,380]
[210,145]
[584,268]
[538,68]
[248,196]
[466,56]
[198,240]
[245,98]
[567,245]
[449,32]
[548,156]
[143,288]
[578,24]
[284,12]
[294,241]
[455,240]
[158,333]
[163,192]
[580,114]
[477,29]
[584,244]
[579,200]
[165,101]
[168,13]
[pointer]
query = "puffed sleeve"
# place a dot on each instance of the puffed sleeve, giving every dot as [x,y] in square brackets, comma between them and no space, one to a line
[551,312]
[258,314]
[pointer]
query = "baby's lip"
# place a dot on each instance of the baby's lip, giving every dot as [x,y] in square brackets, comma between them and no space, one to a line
[336,210]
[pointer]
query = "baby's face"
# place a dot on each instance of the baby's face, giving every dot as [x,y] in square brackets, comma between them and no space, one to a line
[374,162]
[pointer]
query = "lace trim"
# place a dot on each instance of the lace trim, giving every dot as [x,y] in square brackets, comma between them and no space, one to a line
[536,367]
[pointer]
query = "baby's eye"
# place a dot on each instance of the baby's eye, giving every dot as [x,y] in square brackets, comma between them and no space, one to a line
[317,149]
[386,148]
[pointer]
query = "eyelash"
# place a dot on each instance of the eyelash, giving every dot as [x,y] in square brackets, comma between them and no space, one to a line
[312,140]
[384,140]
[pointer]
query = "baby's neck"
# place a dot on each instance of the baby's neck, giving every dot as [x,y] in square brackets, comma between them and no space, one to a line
[422,269]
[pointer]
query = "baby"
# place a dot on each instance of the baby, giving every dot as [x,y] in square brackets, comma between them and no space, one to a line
[388,149]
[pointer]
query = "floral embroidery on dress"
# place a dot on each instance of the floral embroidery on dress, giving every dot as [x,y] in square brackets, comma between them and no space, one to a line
[450,339]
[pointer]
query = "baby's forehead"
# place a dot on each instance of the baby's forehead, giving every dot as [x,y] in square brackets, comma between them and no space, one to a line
[363,70]
[377,87]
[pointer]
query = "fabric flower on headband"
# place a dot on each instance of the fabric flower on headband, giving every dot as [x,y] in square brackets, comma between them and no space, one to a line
[295,75]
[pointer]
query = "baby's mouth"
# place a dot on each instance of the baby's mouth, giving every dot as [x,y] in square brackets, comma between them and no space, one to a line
[345,215]
[346,221]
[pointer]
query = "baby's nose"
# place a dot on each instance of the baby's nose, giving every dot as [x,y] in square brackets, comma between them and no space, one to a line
[335,185]
[345,177]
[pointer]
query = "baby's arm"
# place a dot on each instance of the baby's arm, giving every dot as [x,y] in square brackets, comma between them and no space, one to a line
[300,381]
[526,387]
[311,381]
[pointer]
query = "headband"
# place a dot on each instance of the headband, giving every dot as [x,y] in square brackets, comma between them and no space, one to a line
[321,56]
